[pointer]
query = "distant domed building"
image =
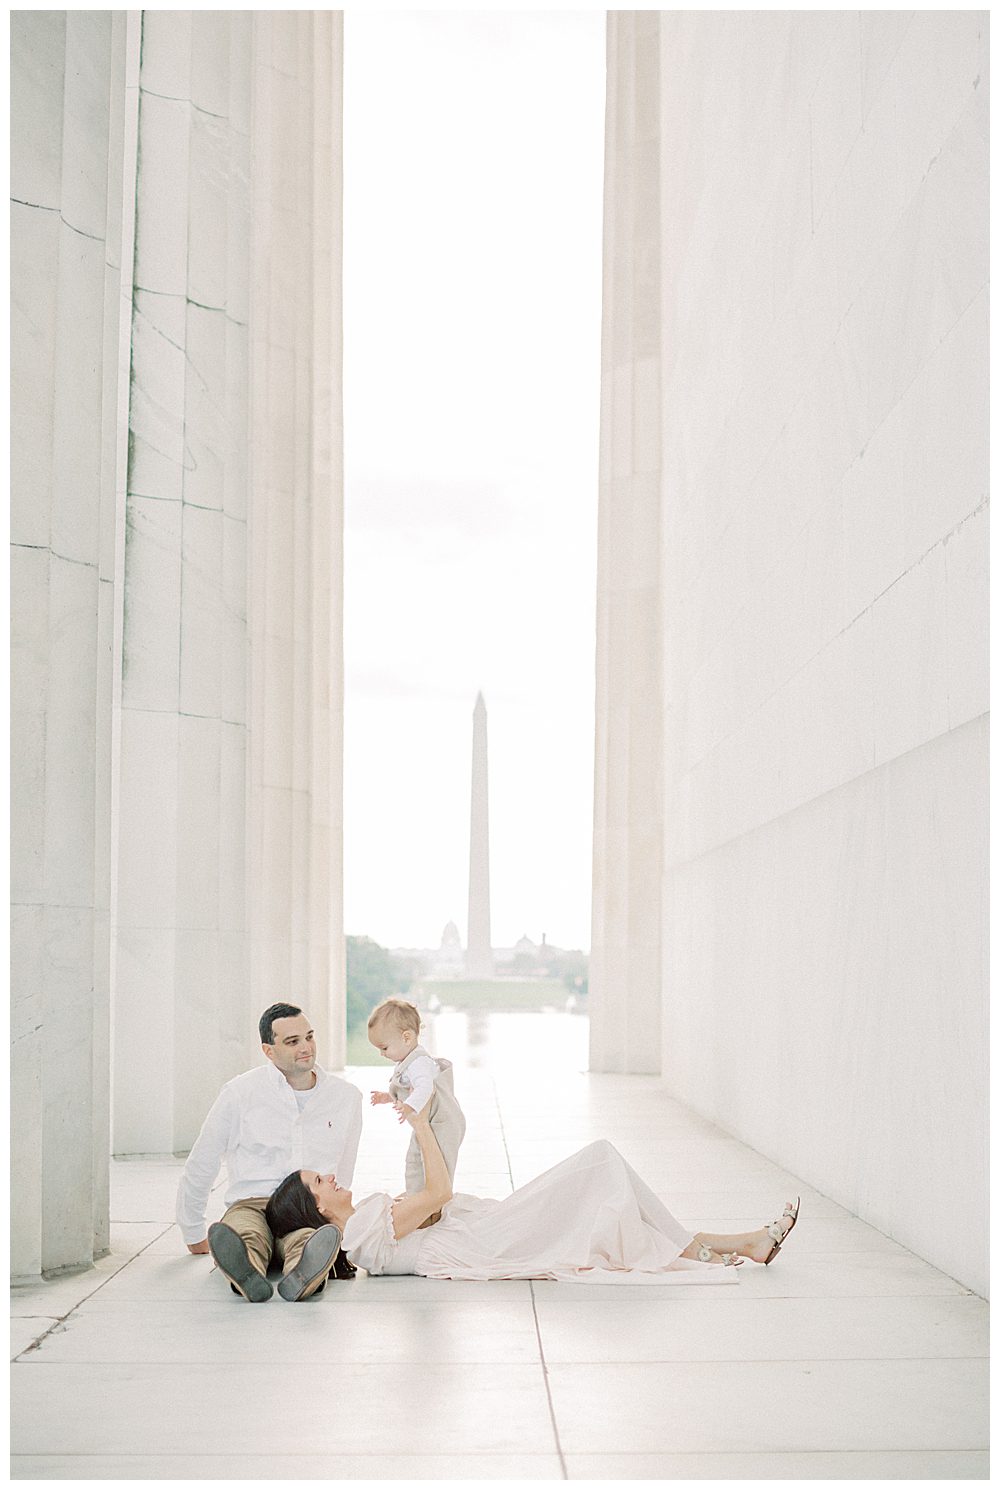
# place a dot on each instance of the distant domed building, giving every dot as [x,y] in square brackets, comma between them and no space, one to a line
[450,959]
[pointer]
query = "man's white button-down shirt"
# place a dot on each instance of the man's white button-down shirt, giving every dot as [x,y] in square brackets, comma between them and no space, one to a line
[257,1127]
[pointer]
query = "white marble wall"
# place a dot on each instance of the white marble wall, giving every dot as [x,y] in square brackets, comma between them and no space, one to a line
[625,936]
[823,581]
[176,597]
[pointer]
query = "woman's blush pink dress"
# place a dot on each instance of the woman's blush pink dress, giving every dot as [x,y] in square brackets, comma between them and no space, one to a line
[590,1219]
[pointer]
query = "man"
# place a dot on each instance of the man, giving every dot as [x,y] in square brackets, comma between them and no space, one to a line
[284,1115]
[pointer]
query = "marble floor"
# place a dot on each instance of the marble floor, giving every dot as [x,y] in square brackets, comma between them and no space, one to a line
[848,1358]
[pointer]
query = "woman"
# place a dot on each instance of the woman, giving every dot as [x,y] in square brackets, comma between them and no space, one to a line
[590,1219]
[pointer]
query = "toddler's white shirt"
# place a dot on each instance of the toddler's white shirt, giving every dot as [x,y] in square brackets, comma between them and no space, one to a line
[419,1075]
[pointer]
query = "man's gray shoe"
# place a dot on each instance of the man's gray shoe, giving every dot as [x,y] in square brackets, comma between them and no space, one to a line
[232,1258]
[316,1260]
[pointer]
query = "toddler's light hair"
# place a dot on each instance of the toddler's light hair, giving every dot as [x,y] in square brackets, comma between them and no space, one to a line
[397,1014]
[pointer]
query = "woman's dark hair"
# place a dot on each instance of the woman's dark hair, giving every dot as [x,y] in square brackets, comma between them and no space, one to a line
[293,1206]
[266,1022]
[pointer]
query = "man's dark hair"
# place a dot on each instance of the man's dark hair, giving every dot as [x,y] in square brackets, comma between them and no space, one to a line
[276,1011]
[292,1207]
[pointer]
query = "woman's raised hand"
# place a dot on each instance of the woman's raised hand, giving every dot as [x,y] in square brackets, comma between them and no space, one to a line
[407,1115]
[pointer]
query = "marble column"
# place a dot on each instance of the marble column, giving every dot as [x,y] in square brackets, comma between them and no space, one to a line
[181,971]
[176,560]
[295,557]
[479,957]
[229,886]
[69,147]
[625,937]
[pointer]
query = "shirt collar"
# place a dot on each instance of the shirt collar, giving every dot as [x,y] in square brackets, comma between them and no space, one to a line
[277,1077]
[417,1050]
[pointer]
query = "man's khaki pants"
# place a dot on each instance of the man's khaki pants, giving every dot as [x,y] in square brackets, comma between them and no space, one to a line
[246,1218]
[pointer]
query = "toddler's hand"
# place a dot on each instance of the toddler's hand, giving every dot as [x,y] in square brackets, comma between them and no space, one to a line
[378,1097]
[406,1114]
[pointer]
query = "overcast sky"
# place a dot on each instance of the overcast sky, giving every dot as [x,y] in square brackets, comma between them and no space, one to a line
[472,285]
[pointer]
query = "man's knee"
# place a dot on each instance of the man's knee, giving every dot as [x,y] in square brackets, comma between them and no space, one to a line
[247,1220]
[290,1247]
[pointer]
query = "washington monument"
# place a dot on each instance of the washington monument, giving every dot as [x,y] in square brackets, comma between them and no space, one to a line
[479,957]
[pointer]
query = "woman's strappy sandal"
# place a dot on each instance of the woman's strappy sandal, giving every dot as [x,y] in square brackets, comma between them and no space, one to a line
[777,1232]
[729,1259]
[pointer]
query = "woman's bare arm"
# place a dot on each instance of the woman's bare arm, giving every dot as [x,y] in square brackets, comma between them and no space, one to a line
[410,1210]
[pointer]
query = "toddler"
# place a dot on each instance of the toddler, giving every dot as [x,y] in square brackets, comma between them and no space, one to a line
[418,1079]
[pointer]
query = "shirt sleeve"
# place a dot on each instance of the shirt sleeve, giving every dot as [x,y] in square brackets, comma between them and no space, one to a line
[202,1167]
[352,1136]
[421,1072]
[369,1239]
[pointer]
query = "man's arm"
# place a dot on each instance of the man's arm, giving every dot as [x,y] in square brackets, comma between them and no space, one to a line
[202,1169]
